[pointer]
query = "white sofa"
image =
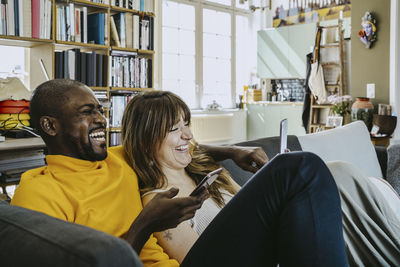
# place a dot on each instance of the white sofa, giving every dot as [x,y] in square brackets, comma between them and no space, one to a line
[351,143]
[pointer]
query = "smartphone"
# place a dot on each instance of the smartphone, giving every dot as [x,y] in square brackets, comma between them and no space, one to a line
[207,181]
[283,135]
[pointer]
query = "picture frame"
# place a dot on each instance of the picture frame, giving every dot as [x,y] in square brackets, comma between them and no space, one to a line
[334,121]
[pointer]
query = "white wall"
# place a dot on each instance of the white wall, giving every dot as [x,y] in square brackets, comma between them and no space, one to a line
[395,64]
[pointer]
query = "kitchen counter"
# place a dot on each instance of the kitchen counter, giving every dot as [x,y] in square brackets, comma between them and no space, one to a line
[263,118]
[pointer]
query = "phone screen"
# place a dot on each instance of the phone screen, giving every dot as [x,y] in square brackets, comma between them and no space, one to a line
[283,135]
[207,181]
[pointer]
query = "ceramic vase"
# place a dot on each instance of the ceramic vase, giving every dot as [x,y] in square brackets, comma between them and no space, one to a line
[362,109]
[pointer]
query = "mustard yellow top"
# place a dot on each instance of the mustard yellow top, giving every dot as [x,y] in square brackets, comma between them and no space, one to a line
[103,195]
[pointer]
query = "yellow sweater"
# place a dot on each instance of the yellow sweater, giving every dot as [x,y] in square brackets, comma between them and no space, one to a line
[103,195]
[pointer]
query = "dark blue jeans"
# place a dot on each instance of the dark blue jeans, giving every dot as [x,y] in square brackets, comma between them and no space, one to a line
[288,213]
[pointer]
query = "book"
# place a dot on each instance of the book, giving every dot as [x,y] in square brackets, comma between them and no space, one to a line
[136,31]
[120,25]
[78,64]
[72,21]
[59,64]
[96,28]
[99,70]
[16,17]
[65,68]
[10,18]
[77,25]
[71,64]
[114,32]
[129,30]
[26,14]
[84,24]
[84,67]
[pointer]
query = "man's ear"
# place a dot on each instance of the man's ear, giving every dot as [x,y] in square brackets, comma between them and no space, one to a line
[49,125]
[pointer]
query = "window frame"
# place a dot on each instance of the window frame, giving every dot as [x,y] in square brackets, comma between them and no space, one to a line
[199,5]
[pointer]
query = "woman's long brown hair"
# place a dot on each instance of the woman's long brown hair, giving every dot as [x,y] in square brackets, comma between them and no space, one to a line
[147,119]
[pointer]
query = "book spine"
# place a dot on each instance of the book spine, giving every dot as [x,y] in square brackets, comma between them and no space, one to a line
[85,25]
[35,18]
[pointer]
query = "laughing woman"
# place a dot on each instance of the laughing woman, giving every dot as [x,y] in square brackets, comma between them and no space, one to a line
[287,214]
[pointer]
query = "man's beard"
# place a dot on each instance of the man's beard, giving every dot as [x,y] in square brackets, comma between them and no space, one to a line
[86,151]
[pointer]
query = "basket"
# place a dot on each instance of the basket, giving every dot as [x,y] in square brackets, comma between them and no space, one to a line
[387,124]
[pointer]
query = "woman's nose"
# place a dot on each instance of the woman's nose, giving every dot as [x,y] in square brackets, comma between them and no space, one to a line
[187,133]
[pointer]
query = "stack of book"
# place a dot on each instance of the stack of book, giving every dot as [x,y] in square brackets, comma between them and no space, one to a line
[130,70]
[102,97]
[131,31]
[14,163]
[26,18]
[138,5]
[89,68]
[118,104]
[75,25]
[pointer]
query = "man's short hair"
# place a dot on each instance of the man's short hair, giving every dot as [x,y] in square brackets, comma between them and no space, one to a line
[48,98]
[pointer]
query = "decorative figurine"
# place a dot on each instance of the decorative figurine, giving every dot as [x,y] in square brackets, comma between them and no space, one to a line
[368,33]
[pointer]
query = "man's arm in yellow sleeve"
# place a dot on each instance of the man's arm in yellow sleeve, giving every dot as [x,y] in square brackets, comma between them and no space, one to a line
[153,255]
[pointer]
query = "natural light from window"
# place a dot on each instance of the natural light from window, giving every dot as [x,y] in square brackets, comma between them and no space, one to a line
[12,61]
[206,54]
[178,68]
[216,58]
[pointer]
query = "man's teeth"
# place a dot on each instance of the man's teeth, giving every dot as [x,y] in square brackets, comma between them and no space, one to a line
[182,147]
[98,136]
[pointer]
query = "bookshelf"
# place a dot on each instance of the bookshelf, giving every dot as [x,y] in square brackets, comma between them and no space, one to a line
[77,39]
[334,72]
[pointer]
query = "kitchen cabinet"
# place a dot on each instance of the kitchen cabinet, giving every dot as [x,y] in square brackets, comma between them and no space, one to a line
[281,52]
[263,118]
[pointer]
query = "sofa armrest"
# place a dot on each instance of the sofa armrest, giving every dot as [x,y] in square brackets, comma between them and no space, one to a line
[30,238]
[382,155]
[393,167]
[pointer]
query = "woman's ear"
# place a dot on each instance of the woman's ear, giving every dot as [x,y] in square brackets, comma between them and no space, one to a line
[49,125]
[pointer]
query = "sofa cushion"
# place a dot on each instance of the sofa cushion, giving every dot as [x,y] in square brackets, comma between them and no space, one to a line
[271,148]
[30,238]
[349,143]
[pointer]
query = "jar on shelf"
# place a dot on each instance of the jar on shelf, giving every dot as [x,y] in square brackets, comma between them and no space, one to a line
[363,109]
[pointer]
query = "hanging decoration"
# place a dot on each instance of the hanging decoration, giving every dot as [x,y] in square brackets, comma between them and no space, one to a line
[368,33]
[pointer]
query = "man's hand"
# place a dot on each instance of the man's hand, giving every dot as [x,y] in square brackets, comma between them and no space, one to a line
[249,158]
[164,213]
[161,213]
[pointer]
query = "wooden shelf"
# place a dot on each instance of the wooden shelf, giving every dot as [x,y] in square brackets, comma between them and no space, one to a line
[123,9]
[133,50]
[115,129]
[98,88]
[129,89]
[23,41]
[89,3]
[150,52]
[93,46]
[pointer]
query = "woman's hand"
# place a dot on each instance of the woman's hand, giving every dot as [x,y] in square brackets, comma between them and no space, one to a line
[249,158]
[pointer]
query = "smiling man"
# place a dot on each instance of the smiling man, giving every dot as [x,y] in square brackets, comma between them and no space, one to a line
[86,185]
[83,183]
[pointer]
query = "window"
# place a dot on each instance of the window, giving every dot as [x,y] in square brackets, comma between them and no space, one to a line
[12,61]
[204,50]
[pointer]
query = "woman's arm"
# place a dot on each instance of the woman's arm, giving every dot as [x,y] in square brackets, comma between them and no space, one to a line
[248,158]
[176,241]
